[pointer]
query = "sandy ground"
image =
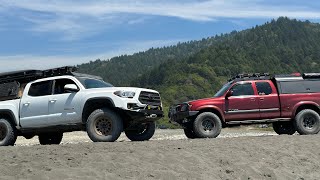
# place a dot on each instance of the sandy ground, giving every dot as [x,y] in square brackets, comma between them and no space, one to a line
[236,154]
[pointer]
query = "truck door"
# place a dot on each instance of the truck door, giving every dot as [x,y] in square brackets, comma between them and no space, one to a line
[242,104]
[268,100]
[64,105]
[34,105]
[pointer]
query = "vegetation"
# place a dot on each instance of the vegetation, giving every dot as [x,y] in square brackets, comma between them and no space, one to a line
[197,69]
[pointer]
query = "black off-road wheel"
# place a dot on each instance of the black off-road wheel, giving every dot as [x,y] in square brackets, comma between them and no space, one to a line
[307,122]
[50,138]
[286,127]
[141,132]
[207,125]
[104,125]
[8,133]
[189,133]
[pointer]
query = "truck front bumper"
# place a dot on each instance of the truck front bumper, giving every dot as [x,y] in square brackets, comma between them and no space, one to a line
[145,115]
[180,117]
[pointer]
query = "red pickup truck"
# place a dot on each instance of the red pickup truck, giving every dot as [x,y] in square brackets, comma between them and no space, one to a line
[290,102]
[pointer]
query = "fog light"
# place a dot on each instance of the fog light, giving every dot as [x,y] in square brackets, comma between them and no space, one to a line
[132,105]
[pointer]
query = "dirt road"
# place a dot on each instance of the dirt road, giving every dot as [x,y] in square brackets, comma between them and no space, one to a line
[237,154]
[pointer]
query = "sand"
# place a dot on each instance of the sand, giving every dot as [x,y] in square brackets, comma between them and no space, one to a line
[236,154]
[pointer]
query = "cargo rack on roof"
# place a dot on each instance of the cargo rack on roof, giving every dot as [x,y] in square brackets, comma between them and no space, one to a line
[12,82]
[278,77]
[253,76]
[26,76]
[311,75]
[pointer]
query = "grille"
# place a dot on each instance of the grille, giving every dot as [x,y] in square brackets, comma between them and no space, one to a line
[150,98]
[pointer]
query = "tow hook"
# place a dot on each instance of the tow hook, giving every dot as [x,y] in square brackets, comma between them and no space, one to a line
[152,116]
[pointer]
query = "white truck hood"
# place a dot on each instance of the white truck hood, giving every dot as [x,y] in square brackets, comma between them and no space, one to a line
[112,89]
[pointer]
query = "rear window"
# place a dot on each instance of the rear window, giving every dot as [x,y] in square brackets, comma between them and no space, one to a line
[40,88]
[305,86]
[263,88]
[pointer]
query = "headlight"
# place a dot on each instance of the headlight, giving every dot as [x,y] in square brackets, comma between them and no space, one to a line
[125,94]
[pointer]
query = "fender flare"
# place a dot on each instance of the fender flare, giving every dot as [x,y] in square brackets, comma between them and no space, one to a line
[302,103]
[106,99]
[213,107]
[9,113]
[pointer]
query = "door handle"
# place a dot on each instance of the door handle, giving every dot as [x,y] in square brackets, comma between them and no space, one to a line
[261,99]
[252,99]
[52,100]
[68,109]
[26,103]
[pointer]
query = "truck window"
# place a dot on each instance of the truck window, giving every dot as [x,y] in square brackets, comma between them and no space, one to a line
[40,88]
[59,85]
[242,89]
[263,88]
[305,86]
[89,83]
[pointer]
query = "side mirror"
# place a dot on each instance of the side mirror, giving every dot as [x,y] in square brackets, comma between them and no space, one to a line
[229,93]
[71,88]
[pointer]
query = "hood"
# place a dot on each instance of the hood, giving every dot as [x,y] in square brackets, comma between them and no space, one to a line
[202,100]
[134,89]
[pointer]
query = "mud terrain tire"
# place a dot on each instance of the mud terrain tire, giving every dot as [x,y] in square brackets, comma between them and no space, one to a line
[307,122]
[189,133]
[50,138]
[285,127]
[8,133]
[207,125]
[142,133]
[104,125]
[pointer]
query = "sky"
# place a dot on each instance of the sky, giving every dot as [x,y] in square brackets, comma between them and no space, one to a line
[41,34]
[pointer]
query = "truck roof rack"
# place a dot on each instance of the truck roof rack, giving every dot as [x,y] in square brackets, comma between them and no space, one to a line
[251,76]
[25,76]
[311,75]
[279,77]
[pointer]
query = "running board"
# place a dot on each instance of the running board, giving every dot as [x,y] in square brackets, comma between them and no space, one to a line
[258,121]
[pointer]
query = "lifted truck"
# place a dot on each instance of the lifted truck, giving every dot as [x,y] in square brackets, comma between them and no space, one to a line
[51,102]
[289,102]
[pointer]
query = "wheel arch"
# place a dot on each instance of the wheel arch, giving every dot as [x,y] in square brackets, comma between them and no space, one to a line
[214,110]
[305,105]
[92,104]
[8,114]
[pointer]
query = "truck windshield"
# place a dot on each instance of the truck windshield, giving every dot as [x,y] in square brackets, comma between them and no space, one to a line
[93,83]
[223,90]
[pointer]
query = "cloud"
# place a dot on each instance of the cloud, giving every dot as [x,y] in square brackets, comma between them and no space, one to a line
[17,62]
[78,19]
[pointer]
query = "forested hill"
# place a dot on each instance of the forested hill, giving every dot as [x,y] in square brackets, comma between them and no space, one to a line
[281,46]
[122,70]
[197,69]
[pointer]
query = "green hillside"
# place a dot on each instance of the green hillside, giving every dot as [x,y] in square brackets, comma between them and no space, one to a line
[281,46]
[198,69]
[122,70]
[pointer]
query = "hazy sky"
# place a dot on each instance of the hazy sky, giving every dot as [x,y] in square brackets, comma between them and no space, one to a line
[38,34]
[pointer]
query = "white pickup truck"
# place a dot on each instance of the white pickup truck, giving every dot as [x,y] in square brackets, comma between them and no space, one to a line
[55,101]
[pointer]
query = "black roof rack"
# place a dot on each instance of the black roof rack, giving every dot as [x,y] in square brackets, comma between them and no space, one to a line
[279,77]
[311,75]
[25,76]
[66,70]
[251,76]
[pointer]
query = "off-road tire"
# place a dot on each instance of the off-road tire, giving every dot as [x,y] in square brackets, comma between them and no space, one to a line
[50,138]
[307,122]
[189,133]
[143,133]
[104,125]
[8,133]
[284,127]
[207,125]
